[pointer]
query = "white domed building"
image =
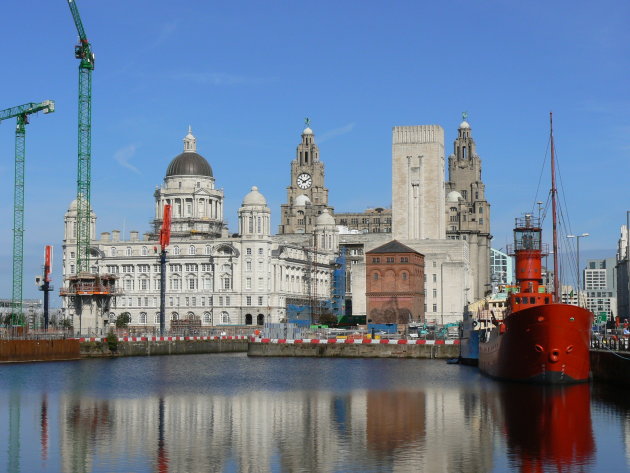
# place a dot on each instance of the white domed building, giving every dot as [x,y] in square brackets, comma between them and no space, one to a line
[213,278]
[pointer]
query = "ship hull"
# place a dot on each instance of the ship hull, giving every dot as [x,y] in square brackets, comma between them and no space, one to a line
[545,344]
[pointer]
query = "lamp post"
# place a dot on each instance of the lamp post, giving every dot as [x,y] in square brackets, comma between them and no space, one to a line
[577,238]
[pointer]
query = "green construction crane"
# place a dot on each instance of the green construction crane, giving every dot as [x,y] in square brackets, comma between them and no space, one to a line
[83,52]
[21,113]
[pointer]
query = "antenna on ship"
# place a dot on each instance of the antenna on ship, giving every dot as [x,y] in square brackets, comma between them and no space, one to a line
[554,191]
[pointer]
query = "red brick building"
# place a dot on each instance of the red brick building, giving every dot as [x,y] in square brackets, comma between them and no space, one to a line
[395,284]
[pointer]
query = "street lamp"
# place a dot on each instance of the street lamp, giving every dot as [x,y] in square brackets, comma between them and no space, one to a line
[577,238]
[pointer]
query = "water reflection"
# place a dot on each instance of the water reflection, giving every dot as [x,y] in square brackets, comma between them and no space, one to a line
[261,431]
[548,428]
[300,416]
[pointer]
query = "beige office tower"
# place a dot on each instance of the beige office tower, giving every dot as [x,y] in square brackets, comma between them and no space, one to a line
[418,182]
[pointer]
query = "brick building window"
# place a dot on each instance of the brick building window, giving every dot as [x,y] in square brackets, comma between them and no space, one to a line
[390,259]
[376,260]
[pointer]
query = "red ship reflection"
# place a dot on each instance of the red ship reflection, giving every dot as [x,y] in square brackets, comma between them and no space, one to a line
[548,428]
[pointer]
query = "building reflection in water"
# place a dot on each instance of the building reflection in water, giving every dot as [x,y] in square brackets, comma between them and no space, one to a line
[614,405]
[547,427]
[43,418]
[431,430]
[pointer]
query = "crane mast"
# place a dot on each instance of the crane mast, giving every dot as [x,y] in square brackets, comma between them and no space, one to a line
[21,114]
[83,52]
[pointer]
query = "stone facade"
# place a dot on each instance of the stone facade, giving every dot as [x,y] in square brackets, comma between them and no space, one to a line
[212,278]
[307,195]
[468,211]
[377,220]
[394,284]
[418,182]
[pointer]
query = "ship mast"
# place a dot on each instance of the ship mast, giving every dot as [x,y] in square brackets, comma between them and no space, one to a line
[554,191]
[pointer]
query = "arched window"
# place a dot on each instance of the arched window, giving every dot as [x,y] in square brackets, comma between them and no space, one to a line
[191,283]
[206,318]
[227,282]
[207,250]
[157,318]
[207,283]
[191,250]
[145,251]
[174,316]
[144,283]
[143,317]
[248,319]
[375,276]
[251,224]
[128,251]
[176,250]
[225,317]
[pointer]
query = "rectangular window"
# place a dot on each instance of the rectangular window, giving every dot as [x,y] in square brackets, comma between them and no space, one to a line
[404,259]
[248,265]
[260,300]
[248,283]
[248,300]
[376,260]
[434,307]
[194,302]
[434,293]
[192,284]
[170,301]
[390,259]
[227,300]
[261,284]
[434,277]
[220,301]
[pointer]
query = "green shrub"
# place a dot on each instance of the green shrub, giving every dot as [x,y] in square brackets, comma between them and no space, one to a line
[112,341]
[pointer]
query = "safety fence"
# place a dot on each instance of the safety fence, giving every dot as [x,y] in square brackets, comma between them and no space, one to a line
[356,341]
[163,339]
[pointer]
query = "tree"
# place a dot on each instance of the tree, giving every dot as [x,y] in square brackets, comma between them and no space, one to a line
[122,321]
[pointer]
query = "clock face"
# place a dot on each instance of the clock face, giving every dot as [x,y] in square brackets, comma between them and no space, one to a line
[304,181]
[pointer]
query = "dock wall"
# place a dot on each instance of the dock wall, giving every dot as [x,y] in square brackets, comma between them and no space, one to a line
[156,346]
[610,366]
[38,350]
[355,348]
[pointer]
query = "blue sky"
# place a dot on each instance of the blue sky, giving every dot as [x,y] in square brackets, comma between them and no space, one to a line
[245,74]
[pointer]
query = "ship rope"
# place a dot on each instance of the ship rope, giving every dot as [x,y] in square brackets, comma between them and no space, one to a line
[568,258]
[615,353]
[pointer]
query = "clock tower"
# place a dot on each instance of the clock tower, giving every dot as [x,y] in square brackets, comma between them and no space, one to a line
[306,195]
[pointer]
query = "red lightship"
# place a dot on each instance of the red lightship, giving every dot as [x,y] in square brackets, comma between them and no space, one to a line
[539,340]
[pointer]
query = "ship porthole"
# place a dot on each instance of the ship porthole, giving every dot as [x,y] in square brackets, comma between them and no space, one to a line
[539,348]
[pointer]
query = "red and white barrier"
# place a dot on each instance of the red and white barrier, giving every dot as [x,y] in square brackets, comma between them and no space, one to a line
[164,339]
[359,341]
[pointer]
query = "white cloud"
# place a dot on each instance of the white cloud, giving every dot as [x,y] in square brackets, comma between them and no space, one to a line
[123,155]
[221,78]
[336,132]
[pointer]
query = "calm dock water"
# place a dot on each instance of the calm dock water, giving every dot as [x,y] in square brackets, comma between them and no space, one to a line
[227,412]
